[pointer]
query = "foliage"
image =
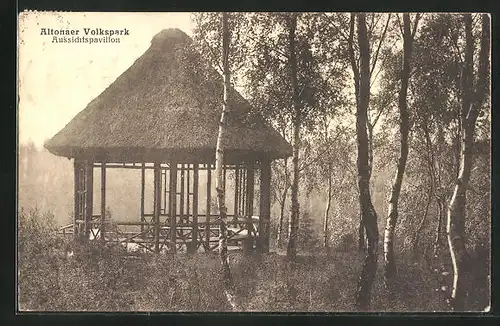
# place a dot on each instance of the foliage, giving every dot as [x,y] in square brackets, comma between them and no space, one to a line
[208,39]
[38,251]
[308,239]
[107,279]
[104,279]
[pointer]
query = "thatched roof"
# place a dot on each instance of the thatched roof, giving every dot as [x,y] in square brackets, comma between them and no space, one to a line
[166,105]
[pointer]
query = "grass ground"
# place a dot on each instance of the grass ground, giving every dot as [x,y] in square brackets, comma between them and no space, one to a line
[320,282]
[107,279]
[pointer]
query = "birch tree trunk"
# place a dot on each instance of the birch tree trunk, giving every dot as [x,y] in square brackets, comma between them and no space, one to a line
[472,101]
[279,237]
[369,216]
[219,163]
[327,208]
[294,219]
[439,226]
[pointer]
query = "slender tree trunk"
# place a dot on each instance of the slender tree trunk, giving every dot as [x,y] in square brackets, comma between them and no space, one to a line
[219,164]
[439,226]
[370,148]
[362,238]
[279,237]
[471,105]
[294,223]
[404,126]
[355,70]
[457,145]
[327,208]
[455,227]
[361,235]
[440,197]
[369,216]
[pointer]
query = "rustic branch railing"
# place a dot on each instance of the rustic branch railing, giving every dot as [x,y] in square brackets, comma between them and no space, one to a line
[144,237]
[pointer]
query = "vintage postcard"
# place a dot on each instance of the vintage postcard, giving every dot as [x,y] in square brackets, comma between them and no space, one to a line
[269,162]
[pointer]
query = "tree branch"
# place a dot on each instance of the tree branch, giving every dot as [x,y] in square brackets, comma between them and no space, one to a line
[338,30]
[375,58]
[352,58]
[216,62]
[415,25]
[479,94]
[372,81]
[378,116]
[325,151]
[458,54]
[274,47]
[399,24]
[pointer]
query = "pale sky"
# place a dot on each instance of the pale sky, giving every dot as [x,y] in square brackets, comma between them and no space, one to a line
[58,80]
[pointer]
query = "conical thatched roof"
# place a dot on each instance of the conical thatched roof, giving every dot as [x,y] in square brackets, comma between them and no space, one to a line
[166,105]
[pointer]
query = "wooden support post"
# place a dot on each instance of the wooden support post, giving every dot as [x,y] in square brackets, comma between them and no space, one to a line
[240,191]
[265,205]
[157,204]
[243,191]
[237,190]
[188,192]
[76,212]
[173,206]
[103,202]
[81,200]
[143,178]
[194,236]
[89,197]
[164,191]
[248,244]
[209,206]
[181,199]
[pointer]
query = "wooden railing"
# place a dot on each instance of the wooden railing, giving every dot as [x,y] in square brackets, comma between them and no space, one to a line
[145,237]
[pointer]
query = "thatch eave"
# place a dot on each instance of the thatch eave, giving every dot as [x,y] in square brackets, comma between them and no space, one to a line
[151,155]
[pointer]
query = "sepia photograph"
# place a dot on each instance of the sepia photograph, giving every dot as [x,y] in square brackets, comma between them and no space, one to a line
[277,162]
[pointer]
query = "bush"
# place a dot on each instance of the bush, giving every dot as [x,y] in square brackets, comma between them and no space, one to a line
[39,251]
[50,279]
[98,278]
